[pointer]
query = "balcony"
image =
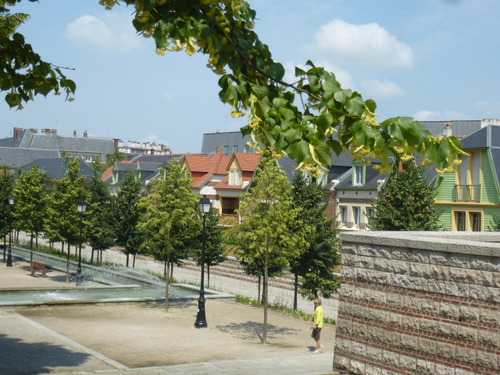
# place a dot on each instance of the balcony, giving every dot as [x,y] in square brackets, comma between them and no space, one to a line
[467,193]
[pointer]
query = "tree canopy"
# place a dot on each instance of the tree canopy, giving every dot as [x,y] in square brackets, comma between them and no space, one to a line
[329,119]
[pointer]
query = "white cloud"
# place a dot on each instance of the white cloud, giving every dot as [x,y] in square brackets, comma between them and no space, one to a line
[368,44]
[110,31]
[429,115]
[382,89]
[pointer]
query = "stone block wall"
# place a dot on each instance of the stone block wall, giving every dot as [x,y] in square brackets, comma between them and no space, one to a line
[419,303]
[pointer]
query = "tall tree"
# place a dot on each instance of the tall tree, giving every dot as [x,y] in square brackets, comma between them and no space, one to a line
[214,252]
[30,199]
[314,267]
[126,216]
[268,233]
[331,119]
[170,220]
[100,229]
[406,202]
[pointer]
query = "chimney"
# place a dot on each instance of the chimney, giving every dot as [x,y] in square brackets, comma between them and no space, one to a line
[17,133]
[74,133]
[34,131]
[85,134]
[448,130]
[218,150]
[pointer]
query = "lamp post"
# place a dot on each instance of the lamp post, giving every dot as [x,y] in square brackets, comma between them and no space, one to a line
[201,320]
[9,254]
[82,207]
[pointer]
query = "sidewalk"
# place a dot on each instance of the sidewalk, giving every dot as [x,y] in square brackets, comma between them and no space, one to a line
[144,339]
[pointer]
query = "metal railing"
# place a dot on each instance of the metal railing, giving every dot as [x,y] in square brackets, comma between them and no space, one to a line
[467,193]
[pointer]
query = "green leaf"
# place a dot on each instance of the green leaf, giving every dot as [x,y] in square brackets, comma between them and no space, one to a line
[277,71]
[355,106]
[324,121]
[299,151]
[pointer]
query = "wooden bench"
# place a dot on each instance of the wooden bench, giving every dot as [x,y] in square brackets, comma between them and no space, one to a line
[40,267]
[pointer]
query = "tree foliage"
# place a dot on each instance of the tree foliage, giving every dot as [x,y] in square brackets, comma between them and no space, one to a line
[126,215]
[268,234]
[64,220]
[30,199]
[330,119]
[100,229]
[315,265]
[406,202]
[6,187]
[214,252]
[23,73]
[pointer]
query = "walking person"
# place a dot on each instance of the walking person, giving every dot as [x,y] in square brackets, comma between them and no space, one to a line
[318,318]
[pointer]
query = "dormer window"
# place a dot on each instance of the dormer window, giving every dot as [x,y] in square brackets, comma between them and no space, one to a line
[358,175]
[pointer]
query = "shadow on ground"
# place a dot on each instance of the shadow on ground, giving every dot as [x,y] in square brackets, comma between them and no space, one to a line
[36,357]
[250,330]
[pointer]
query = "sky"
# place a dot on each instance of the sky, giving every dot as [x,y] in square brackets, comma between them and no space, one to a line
[428,59]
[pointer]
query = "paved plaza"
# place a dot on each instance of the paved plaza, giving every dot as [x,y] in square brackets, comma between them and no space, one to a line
[145,339]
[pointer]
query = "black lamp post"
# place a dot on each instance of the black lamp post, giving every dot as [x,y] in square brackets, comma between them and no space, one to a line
[82,207]
[201,320]
[9,254]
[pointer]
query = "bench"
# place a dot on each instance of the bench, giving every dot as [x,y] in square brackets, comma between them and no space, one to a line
[40,267]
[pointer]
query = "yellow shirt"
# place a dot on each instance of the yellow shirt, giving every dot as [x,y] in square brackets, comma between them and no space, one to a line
[318,316]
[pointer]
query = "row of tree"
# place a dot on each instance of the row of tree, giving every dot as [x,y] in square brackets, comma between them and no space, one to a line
[283,227]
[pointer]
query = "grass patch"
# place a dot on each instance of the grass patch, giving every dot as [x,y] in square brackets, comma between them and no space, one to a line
[281,309]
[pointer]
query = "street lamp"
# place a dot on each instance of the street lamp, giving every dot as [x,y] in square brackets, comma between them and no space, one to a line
[201,320]
[9,254]
[82,207]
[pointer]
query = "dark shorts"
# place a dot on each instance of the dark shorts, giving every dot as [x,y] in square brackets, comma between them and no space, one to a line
[316,333]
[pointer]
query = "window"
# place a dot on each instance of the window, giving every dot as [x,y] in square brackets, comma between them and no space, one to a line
[234,178]
[369,213]
[226,149]
[358,176]
[343,215]
[475,221]
[468,221]
[235,148]
[460,222]
[356,211]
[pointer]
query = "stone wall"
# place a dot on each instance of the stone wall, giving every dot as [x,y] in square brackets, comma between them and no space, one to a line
[419,303]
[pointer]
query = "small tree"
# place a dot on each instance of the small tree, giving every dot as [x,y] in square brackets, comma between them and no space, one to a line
[126,216]
[268,233]
[169,222]
[100,230]
[30,199]
[6,186]
[314,267]
[63,219]
[406,202]
[214,252]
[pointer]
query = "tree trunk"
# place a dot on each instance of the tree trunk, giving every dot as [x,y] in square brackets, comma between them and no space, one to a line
[295,290]
[167,283]
[165,268]
[92,255]
[133,261]
[67,266]
[171,270]
[31,255]
[259,297]
[265,290]
[127,258]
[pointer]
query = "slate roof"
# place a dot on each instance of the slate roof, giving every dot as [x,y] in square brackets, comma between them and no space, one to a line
[460,128]
[57,168]
[17,157]
[30,140]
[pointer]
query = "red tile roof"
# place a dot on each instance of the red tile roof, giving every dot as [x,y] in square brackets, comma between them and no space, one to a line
[203,166]
[247,162]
